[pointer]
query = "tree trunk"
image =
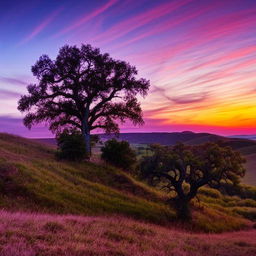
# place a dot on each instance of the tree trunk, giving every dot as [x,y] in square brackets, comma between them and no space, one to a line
[87,141]
[86,136]
[183,209]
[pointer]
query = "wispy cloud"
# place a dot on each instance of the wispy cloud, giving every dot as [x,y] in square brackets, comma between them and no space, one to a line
[11,80]
[7,94]
[40,27]
[190,98]
[126,26]
[87,17]
[14,125]
[170,23]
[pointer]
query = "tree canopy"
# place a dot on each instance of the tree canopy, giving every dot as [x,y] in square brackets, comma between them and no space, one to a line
[119,153]
[83,89]
[183,169]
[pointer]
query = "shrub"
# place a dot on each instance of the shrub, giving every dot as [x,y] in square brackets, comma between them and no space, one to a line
[119,154]
[71,145]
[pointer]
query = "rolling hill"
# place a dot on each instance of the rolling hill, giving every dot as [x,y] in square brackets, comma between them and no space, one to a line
[246,146]
[100,210]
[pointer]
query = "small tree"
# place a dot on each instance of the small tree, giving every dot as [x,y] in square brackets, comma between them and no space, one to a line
[70,145]
[119,154]
[83,89]
[183,169]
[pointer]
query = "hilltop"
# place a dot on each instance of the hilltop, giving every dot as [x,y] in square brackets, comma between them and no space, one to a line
[32,180]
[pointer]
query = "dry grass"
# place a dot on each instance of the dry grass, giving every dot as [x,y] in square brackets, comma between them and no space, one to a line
[32,180]
[51,235]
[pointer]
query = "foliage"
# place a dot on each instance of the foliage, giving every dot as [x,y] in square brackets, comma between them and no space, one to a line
[83,89]
[183,169]
[71,145]
[119,154]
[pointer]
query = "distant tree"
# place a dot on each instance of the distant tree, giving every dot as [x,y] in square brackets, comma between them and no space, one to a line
[83,89]
[70,145]
[119,154]
[183,169]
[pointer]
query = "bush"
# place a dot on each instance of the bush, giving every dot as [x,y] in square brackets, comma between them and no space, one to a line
[119,154]
[71,146]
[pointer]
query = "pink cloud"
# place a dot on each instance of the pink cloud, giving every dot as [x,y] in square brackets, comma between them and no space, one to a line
[233,55]
[170,23]
[87,17]
[140,20]
[219,28]
[39,28]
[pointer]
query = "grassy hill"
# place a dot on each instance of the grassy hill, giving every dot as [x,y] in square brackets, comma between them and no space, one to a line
[31,179]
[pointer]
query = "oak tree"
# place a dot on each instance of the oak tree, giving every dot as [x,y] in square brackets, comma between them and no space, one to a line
[183,169]
[83,89]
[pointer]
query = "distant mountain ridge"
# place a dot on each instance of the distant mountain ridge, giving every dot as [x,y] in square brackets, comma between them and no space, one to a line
[164,138]
[249,137]
[171,138]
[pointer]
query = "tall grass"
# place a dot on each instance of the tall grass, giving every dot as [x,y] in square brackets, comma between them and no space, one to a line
[41,234]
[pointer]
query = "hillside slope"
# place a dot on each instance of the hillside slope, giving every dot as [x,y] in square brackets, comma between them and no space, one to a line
[31,179]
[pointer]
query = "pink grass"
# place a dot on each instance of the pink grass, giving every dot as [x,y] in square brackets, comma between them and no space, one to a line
[23,234]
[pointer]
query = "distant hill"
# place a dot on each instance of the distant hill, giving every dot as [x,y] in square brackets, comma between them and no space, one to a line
[249,137]
[245,146]
[155,137]
[166,138]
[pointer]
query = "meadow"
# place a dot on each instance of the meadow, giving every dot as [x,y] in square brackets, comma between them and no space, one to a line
[23,234]
[101,210]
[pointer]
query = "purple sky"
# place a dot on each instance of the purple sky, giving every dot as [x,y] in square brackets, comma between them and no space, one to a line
[200,56]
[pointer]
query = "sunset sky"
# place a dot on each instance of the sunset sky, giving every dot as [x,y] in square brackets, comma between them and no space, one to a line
[200,56]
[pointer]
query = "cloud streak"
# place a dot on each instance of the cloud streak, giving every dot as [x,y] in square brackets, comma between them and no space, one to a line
[140,20]
[6,94]
[11,80]
[88,17]
[40,27]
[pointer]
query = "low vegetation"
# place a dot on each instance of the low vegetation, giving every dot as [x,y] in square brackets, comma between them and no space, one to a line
[23,234]
[71,145]
[119,154]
